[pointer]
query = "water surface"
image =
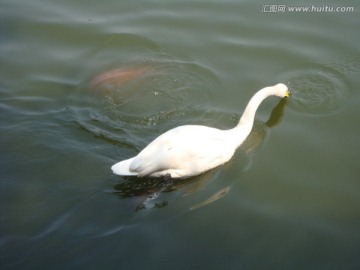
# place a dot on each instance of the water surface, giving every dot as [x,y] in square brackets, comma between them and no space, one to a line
[86,84]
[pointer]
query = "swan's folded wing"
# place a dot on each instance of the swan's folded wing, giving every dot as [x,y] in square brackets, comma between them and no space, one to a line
[191,156]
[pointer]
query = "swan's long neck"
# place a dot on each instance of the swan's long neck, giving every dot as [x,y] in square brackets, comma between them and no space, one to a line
[246,122]
[247,119]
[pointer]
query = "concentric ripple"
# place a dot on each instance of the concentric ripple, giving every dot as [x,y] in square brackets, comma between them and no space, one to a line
[319,91]
[117,103]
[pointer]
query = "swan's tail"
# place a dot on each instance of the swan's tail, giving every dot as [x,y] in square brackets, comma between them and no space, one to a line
[122,168]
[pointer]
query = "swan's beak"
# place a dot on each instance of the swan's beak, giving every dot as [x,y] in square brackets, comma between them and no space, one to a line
[287,94]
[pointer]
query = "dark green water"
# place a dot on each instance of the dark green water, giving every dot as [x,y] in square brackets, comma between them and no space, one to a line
[289,198]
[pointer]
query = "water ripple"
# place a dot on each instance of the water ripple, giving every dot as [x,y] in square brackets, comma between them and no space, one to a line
[318,90]
[116,104]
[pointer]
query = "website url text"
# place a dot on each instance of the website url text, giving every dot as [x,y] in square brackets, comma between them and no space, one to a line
[308,9]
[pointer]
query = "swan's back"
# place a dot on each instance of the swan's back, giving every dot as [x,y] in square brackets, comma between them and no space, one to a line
[184,151]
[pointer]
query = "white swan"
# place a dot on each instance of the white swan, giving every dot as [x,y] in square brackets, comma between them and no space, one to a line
[190,150]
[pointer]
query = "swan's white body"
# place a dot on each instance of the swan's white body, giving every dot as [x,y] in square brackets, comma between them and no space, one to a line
[190,150]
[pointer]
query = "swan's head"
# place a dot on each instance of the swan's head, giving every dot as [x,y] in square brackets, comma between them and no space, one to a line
[282,90]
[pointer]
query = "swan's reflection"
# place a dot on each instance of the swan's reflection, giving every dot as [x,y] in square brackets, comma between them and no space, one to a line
[276,114]
[146,192]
